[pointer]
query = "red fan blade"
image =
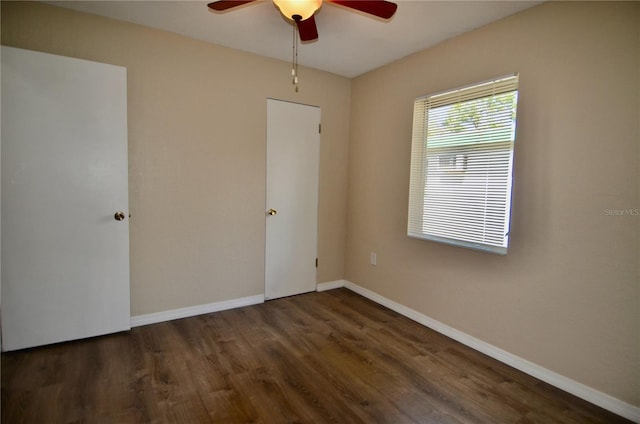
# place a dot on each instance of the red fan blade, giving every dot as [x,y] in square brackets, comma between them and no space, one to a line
[221,5]
[380,8]
[307,29]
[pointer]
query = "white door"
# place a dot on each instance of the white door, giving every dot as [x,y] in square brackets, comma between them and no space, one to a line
[65,257]
[293,157]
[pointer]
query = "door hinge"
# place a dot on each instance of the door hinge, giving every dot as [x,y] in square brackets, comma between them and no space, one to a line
[316,262]
[319,128]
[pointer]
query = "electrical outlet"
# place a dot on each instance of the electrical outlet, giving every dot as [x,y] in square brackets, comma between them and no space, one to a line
[373,258]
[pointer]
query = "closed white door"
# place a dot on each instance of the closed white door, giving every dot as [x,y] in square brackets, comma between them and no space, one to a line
[65,247]
[293,157]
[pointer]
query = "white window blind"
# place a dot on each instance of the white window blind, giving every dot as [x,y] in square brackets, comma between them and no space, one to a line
[461,165]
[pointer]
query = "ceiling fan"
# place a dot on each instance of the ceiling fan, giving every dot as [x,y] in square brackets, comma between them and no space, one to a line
[302,11]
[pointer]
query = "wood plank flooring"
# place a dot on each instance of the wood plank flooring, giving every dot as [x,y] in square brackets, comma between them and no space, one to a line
[330,357]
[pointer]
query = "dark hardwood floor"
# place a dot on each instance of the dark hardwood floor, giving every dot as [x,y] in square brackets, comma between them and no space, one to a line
[315,358]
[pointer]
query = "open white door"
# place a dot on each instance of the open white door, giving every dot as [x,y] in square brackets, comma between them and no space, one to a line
[293,158]
[65,248]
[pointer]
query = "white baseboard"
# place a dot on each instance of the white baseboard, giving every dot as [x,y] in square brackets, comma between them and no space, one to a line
[575,388]
[330,285]
[191,311]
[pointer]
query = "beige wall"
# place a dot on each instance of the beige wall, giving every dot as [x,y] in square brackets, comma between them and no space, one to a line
[197,130]
[567,294]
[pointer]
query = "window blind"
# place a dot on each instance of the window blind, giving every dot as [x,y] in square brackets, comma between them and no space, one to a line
[461,165]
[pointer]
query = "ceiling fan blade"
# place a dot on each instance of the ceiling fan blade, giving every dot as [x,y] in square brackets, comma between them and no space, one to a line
[307,29]
[221,5]
[380,8]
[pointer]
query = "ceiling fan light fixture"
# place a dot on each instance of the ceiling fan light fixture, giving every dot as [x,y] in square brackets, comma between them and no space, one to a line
[298,9]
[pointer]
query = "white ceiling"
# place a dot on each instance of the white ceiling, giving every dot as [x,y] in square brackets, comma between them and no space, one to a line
[349,44]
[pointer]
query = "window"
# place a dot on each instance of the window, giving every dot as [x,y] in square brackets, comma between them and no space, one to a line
[461,165]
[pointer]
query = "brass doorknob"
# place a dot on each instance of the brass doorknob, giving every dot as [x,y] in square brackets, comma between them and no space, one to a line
[272,212]
[119,216]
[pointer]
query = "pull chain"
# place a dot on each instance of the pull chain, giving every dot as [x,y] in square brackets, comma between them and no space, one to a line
[294,59]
